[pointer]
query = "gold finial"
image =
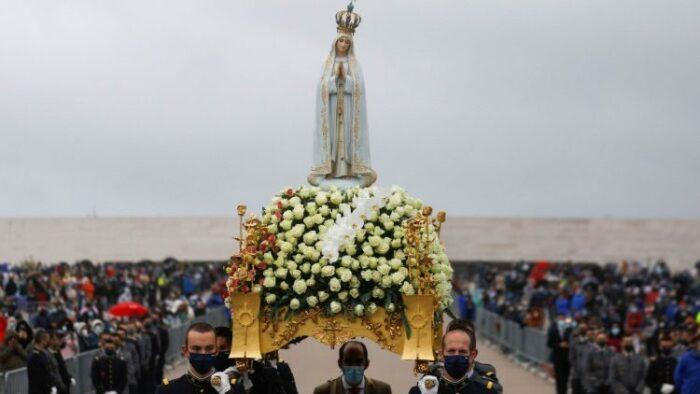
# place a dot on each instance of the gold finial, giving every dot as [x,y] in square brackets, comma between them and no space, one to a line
[427,210]
[241,209]
[442,216]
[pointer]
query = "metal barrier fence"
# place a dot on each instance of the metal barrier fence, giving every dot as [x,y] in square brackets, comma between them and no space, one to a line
[524,342]
[16,381]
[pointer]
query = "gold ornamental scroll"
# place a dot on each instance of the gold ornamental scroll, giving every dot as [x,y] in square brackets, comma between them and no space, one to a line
[245,325]
[385,329]
[420,312]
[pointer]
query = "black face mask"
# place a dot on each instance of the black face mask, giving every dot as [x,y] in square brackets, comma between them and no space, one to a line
[222,361]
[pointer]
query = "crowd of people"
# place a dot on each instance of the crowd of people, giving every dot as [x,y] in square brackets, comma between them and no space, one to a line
[613,328]
[49,313]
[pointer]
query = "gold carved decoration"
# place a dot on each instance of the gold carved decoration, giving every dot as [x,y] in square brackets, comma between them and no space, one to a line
[245,325]
[419,313]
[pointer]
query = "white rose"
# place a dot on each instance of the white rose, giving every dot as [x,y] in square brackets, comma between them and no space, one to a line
[298,230]
[296,274]
[407,289]
[355,265]
[343,295]
[367,250]
[377,293]
[334,285]
[269,281]
[294,304]
[305,268]
[281,273]
[396,199]
[395,263]
[397,278]
[373,262]
[366,275]
[328,271]
[299,286]
[346,261]
[374,241]
[257,289]
[346,275]
[321,199]
[318,218]
[311,282]
[354,293]
[284,286]
[312,301]
[336,198]
[324,210]
[384,269]
[335,307]
[391,307]
[270,298]
[311,208]
[309,221]
[292,265]
[286,247]
[386,282]
[377,276]
[304,192]
[310,238]
[315,268]
[364,261]
[286,225]
[359,310]
[272,228]
[322,296]
[372,308]
[396,244]
[354,282]
[287,215]
[388,225]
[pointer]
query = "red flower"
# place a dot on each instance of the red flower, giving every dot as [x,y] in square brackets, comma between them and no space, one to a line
[279,204]
[245,289]
[262,266]
[290,192]
[271,239]
[278,215]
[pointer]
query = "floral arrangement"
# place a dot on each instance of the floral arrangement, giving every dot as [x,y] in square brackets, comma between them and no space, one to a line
[340,250]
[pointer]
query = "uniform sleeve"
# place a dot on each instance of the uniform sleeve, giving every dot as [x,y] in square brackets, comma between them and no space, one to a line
[122,378]
[94,375]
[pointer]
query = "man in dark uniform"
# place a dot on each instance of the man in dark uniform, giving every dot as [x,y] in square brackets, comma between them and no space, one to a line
[579,344]
[661,369]
[558,339]
[459,375]
[483,369]
[55,344]
[200,350]
[108,371]
[39,368]
[223,348]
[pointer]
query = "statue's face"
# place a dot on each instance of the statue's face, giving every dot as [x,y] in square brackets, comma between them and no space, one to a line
[343,45]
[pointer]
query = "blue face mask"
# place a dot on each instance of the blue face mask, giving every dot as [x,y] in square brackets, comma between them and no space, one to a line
[457,366]
[202,362]
[353,375]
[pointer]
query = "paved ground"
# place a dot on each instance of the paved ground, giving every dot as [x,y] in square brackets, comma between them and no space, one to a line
[313,363]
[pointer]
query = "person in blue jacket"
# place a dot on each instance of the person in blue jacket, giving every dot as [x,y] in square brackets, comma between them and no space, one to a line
[687,374]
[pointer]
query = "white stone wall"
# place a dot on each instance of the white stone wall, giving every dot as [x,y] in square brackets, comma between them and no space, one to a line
[204,238]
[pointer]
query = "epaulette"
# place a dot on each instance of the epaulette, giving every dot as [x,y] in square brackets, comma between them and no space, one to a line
[489,373]
[489,385]
[166,382]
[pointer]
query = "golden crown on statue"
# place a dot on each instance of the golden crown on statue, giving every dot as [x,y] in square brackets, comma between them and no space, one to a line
[347,20]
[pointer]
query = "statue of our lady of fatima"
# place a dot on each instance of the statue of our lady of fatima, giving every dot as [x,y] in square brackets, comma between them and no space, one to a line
[341,141]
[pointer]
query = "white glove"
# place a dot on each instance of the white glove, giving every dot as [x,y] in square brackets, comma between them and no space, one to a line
[428,384]
[667,388]
[54,390]
[73,382]
[220,382]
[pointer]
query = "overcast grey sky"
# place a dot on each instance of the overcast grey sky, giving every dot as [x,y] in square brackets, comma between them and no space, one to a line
[583,108]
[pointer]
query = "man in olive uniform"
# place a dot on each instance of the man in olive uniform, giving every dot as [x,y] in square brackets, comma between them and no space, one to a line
[200,351]
[459,375]
[108,371]
[627,370]
[596,367]
[661,369]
